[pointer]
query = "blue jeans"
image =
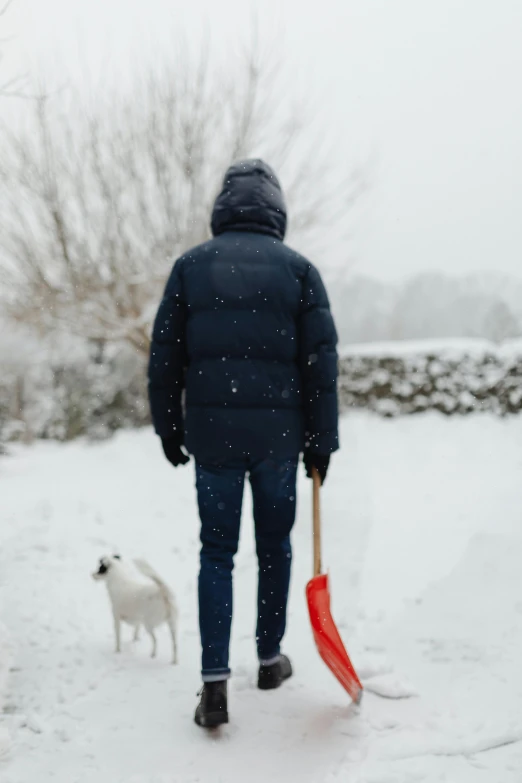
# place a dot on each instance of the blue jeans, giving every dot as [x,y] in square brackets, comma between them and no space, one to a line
[220,496]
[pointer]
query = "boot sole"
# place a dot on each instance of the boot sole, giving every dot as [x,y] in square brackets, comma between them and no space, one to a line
[212,720]
[271,685]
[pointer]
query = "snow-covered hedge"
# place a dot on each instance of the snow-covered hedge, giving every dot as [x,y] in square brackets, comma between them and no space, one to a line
[62,389]
[451,376]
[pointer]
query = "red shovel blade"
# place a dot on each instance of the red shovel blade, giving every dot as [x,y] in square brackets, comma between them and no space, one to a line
[329,643]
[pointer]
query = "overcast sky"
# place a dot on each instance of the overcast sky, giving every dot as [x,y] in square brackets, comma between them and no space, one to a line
[431,88]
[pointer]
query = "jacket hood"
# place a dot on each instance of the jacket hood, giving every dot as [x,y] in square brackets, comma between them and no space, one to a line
[251,200]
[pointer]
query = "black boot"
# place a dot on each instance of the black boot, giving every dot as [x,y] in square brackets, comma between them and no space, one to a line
[273,676]
[212,710]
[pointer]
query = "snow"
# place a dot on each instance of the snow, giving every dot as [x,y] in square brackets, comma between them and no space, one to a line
[5,662]
[423,542]
[445,347]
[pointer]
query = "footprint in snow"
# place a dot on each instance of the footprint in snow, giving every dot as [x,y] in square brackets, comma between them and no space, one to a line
[389,686]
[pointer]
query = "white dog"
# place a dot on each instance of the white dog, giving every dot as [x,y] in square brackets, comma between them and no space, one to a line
[138,597]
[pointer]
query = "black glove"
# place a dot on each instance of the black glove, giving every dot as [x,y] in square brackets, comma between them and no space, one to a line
[318,461]
[173,451]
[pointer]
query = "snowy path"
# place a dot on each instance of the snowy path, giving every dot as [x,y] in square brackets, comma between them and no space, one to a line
[424,542]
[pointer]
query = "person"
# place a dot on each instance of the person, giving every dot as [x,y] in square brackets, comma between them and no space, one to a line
[243,375]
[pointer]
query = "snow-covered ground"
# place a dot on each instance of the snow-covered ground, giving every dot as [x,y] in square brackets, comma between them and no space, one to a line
[423,539]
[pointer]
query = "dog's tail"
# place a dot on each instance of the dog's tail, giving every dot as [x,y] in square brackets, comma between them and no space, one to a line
[168,596]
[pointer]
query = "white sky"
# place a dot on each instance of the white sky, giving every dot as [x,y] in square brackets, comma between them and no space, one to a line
[431,87]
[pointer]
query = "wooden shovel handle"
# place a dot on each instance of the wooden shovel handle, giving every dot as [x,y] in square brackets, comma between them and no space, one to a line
[317,521]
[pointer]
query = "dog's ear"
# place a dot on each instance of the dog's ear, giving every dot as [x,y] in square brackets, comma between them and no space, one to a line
[117,557]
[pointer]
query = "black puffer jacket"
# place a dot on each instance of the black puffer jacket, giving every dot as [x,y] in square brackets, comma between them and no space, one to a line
[245,327]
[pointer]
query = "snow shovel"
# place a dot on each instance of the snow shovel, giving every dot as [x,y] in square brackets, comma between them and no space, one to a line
[327,639]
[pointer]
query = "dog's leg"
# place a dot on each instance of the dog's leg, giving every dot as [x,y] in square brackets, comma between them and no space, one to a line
[172,627]
[150,631]
[136,636]
[117,631]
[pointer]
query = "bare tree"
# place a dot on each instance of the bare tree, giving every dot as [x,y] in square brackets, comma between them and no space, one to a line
[95,204]
[500,322]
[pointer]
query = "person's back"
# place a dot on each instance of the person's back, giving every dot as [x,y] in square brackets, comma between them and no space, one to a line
[245,329]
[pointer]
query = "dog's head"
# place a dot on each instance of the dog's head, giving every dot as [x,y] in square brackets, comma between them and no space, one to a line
[105,565]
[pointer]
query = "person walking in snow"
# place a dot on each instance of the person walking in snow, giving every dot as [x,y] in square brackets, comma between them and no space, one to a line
[244,329]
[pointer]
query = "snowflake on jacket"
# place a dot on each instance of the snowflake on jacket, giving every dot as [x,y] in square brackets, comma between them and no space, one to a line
[243,359]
